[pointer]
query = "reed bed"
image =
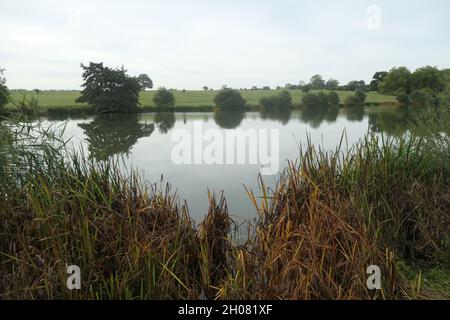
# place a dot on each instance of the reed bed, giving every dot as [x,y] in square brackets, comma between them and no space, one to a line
[332,214]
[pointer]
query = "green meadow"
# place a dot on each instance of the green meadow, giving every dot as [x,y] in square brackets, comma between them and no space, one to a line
[189,98]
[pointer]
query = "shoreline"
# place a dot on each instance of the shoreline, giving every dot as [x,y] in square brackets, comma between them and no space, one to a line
[90,111]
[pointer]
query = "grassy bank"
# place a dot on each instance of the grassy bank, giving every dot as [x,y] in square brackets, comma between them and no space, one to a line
[330,217]
[64,101]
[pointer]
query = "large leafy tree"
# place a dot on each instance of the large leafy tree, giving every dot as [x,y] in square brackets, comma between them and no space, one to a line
[145,82]
[428,78]
[396,81]
[356,85]
[110,90]
[4,92]
[164,98]
[317,82]
[332,84]
[377,79]
[229,99]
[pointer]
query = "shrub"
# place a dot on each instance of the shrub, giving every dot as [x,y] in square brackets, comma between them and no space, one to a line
[306,88]
[4,96]
[311,100]
[361,96]
[352,101]
[403,98]
[323,100]
[229,99]
[164,98]
[333,99]
[282,101]
[4,92]
[419,97]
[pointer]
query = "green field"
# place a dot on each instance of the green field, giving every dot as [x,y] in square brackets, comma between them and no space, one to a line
[183,99]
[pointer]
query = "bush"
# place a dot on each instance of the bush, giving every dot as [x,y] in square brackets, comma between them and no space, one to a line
[323,99]
[4,92]
[164,98]
[352,101]
[229,99]
[419,97]
[311,100]
[361,96]
[403,98]
[281,101]
[4,96]
[333,99]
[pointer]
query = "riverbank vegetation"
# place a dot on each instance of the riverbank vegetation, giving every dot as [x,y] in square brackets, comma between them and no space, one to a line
[395,87]
[380,202]
[53,101]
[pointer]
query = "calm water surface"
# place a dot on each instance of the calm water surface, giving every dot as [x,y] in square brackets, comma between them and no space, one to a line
[144,141]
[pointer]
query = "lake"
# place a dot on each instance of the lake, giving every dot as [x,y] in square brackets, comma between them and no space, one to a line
[145,141]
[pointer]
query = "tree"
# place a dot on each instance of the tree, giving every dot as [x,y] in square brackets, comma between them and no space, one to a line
[281,101]
[352,101]
[427,78]
[396,81]
[333,98]
[419,98]
[164,98]
[356,85]
[229,99]
[205,88]
[323,100]
[317,82]
[311,101]
[4,92]
[109,89]
[307,88]
[145,82]
[361,96]
[377,79]
[403,99]
[332,84]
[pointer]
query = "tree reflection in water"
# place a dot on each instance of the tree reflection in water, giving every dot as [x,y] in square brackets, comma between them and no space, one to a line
[165,121]
[228,119]
[114,134]
[316,116]
[278,114]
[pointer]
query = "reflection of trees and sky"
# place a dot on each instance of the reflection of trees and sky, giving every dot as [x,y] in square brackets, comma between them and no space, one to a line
[315,117]
[228,119]
[114,134]
[279,114]
[165,121]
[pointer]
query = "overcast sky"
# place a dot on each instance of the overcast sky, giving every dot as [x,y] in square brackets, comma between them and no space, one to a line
[189,44]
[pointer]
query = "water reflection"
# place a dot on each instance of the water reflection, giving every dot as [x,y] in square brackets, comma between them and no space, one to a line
[114,134]
[228,119]
[316,116]
[355,114]
[165,121]
[277,114]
